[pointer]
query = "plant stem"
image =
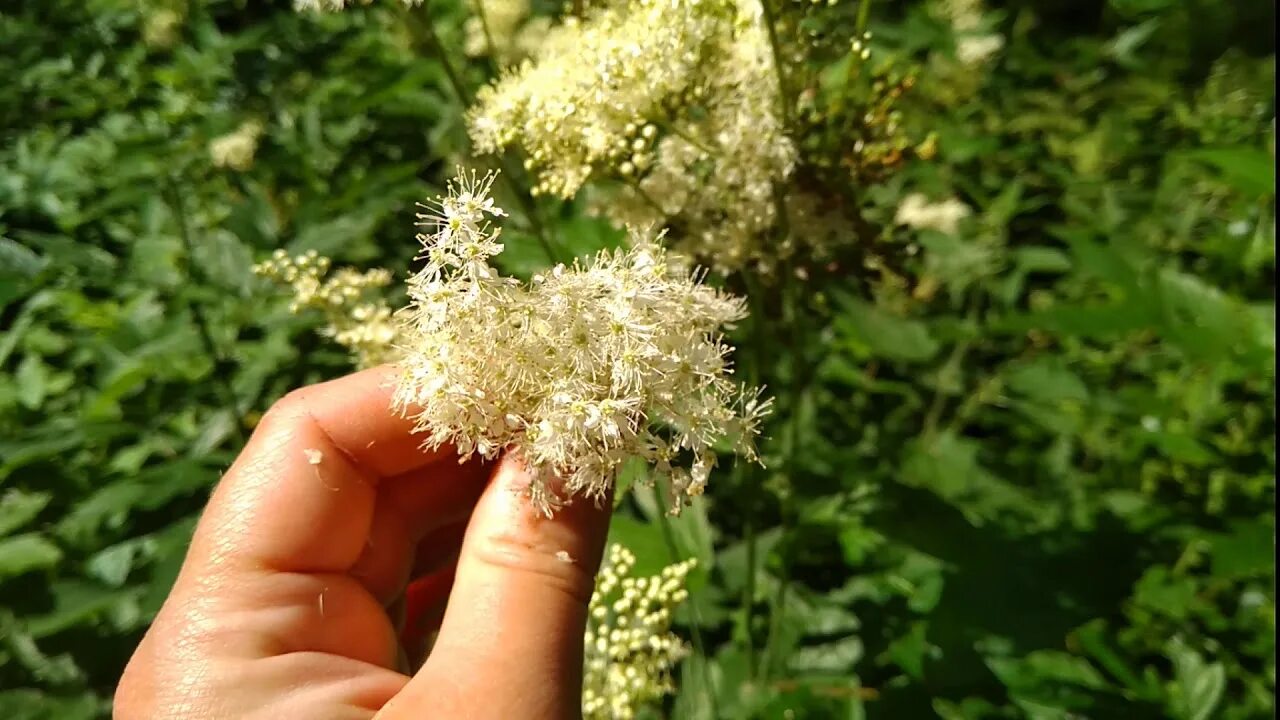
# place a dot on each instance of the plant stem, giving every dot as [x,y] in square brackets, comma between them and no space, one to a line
[784,93]
[490,48]
[527,203]
[864,14]
[695,631]
[746,475]
[201,320]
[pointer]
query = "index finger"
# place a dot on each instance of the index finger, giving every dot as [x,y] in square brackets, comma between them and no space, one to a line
[301,495]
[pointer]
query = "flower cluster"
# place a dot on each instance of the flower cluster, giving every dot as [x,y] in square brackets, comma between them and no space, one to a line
[237,149]
[161,26]
[579,370]
[503,30]
[355,317]
[917,212]
[974,45]
[674,101]
[629,648]
[716,177]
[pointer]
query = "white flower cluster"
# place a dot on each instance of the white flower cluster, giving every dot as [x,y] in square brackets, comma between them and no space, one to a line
[716,179]
[160,27]
[674,101]
[503,30]
[337,5]
[917,212]
[237,149]
[974,46]
[629,648]
[579,370]
[355,317]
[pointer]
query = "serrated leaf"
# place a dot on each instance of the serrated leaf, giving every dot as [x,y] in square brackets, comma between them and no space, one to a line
[872,331]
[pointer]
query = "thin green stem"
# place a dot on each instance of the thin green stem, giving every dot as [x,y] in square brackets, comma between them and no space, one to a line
[437,47]
[695,630]
[864,15]
[201,320]
[490,48]
[746,476]
[507,176]
[675,130]
[749,587]
[644,195]
[784,91]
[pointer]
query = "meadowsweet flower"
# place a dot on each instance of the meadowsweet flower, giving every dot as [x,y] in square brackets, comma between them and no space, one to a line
[160,28]
[236,150]
[715,178]
[974,46]
[673,102]
[579,370]
[355,316]
[629,649]
[977,49]
[917,212]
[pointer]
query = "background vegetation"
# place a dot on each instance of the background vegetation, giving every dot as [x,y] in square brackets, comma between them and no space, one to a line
[1028,470]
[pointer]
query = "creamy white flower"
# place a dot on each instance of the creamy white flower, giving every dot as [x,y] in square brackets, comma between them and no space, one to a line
[977,49]
[629,651]
[355,316]
[579,370]
[236,150]
[674,102]
[916,211]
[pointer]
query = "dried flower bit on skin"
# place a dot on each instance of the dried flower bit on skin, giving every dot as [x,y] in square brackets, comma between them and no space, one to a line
[314,457]
[629,649]
[616,357]
[564,557]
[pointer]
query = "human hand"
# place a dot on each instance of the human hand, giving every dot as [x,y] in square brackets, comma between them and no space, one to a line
[284,606]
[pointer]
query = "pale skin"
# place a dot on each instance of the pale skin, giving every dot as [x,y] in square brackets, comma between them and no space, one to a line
[286,603]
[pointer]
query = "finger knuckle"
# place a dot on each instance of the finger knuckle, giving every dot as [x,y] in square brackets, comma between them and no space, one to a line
[544,561]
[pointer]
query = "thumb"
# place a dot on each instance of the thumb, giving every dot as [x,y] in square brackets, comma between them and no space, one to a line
[510,644]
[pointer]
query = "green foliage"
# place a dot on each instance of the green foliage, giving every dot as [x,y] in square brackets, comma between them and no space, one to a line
[1025,471]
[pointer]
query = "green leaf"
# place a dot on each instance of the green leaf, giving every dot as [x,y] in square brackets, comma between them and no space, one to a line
[948,466]
[910,650]
[1247,550]
[19,507]
[869,330]
[1046,380]
[1198,685]
[23,553]
[1251,170]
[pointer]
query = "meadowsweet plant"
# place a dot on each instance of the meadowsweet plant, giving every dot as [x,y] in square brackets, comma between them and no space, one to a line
[672,105]
[629,648]
[579,370]
[356,316]
[916,211]
[236,149]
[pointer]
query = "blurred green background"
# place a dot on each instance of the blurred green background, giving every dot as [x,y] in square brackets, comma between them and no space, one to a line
[1040,487]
